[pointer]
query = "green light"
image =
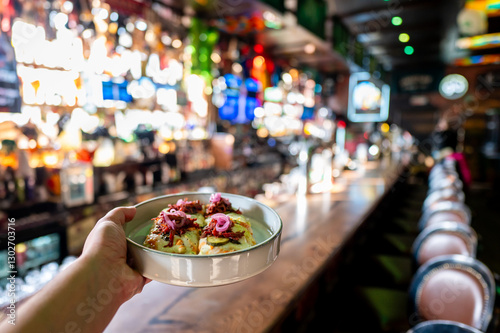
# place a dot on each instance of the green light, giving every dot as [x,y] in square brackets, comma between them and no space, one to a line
[190,49]
[409,50]
[403,38]
[396,20]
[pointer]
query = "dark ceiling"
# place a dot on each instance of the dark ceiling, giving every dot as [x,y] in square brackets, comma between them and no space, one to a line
[431,25]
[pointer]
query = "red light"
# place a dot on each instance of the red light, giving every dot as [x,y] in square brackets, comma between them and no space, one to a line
[341,124]
[365,135]
[258,48]
[270,66]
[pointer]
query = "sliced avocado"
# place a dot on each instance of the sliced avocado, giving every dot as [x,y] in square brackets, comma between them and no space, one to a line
[217,241]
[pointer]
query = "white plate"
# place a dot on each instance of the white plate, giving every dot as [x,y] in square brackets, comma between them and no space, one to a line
[204,270]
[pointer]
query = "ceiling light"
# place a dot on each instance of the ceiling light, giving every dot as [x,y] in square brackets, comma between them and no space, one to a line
[409,50]
[141,25]
[237,68]
[165,39]
[176,43]
[287,78]
[216,58]
[396,20]
[403,38]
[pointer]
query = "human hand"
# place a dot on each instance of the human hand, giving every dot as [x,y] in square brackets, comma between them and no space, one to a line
[106,248]
[85,296]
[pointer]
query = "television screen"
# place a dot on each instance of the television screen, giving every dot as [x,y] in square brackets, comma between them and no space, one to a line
[368,99]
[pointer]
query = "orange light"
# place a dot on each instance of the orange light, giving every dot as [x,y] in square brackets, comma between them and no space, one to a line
[294,73]
[34,161]
[21,248]
[172,147]
[259,61]
[36,85]
[262,132]
[307,129]
[50,159]
[9,161]
[480,5]
[164,148]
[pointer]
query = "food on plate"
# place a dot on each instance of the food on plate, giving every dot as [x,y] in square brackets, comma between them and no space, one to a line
[194,208]
[218,204]
[189,227]
[226,233]
[174,231]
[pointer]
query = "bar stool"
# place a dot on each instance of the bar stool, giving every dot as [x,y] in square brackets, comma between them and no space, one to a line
[447,181]
[442,326]
[457,288]
[446,194]
[437,173]
[445,238]
[439,170]
[445,211]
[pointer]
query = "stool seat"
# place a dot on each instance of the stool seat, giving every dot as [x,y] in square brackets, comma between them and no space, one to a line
[442,326]
[456,288]
[445,238]
[445,211]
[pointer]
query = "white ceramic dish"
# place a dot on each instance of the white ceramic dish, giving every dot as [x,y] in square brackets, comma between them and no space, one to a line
[204,270]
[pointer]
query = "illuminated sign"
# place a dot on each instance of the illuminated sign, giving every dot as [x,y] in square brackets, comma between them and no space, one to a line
[50,86]
[368,99]
[229,110]
[416,81]
[253,87]
[273,94]
[116,91]
[453,86]
[486,41]
[493,7]
[10,99]
[484,59]
[32,47]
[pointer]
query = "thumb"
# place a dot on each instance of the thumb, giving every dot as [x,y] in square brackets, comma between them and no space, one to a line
[120,215]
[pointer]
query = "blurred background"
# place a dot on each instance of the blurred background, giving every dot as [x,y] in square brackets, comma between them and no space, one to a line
[106,103]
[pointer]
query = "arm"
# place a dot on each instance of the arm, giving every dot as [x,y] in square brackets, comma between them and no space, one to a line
[86,295]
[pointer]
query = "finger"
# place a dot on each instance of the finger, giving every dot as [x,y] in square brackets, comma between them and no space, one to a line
[120,215]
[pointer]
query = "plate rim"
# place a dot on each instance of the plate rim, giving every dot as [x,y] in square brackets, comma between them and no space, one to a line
[273,237]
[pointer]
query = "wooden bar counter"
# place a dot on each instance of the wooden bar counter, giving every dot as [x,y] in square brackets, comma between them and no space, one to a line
[315,228]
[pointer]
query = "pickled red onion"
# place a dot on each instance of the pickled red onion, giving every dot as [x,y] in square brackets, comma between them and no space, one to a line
[173,224]
[222,222]
[215,197]
[167,220]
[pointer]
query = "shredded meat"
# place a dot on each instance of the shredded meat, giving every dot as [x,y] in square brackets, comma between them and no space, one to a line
[168,233]
[221,206]
[188,207]
[210,230]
